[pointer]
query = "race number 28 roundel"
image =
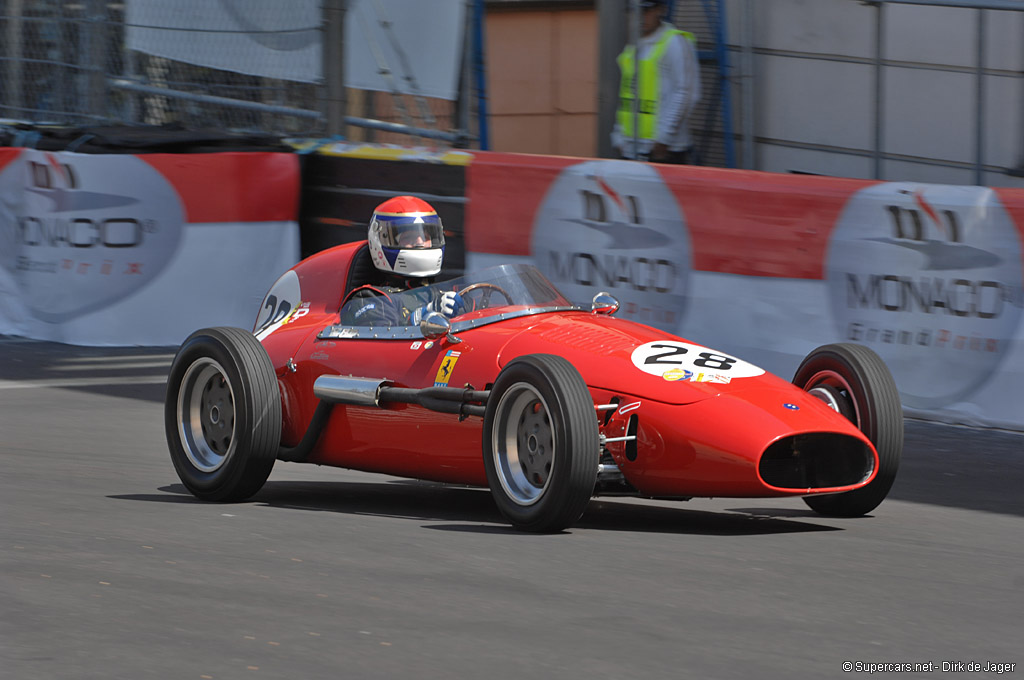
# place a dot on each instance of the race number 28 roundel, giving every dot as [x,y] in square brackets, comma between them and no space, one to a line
[673,360]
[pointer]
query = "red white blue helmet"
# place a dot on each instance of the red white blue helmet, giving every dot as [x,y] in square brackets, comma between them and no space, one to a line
[406,237]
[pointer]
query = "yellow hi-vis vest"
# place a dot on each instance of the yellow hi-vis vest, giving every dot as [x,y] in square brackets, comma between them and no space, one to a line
[647,86]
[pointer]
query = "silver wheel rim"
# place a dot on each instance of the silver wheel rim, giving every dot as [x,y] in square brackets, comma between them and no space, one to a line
[523,443]
[206,415]
[826,396]
[822,379]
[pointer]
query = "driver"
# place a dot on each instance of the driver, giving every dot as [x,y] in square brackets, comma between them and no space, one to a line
[406,242]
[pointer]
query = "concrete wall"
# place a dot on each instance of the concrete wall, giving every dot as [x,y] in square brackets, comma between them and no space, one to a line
[814,81]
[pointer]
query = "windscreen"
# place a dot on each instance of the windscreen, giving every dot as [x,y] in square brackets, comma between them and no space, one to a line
[517,289]
[510,285]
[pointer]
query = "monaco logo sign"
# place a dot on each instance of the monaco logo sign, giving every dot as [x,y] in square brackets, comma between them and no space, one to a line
[87,230]
[615,226]
[930,277]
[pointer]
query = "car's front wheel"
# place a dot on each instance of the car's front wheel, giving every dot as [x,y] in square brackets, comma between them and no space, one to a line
[853,380]
[540,443]
[222,414]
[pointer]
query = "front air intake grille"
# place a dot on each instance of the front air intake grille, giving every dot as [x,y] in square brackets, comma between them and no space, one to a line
[816,461]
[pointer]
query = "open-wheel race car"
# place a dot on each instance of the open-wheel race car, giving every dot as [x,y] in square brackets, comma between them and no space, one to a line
[546,403]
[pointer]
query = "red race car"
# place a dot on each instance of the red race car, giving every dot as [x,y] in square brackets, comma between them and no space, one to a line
[544,402]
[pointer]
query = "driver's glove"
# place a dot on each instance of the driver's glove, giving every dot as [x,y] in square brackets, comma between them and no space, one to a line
[451,304]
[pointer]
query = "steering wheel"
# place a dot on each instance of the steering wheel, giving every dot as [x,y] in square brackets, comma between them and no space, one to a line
[485,297]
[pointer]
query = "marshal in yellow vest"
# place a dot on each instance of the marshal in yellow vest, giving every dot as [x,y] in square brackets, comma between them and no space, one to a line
[647,86]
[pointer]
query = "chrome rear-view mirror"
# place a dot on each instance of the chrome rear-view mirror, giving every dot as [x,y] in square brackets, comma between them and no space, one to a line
[435,326]
[604,303]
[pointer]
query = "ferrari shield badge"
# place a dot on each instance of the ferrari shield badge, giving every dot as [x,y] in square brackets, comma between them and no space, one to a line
[444,373]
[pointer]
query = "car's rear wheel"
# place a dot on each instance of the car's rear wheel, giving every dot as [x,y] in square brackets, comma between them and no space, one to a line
[222,414]
[853,380]
[540,443]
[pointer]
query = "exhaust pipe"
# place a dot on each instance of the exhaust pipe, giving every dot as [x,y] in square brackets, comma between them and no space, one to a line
[352,391]
[340,389]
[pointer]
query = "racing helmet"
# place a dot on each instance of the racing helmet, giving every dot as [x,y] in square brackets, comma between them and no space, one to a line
[406,237]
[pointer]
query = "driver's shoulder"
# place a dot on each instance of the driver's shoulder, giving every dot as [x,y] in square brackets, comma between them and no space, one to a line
[370,290]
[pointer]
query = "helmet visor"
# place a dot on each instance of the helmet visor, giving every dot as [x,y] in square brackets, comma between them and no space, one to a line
[410,231]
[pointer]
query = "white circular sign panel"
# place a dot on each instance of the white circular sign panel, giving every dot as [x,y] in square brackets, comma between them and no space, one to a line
[90,231]
[928,276]
[615,226]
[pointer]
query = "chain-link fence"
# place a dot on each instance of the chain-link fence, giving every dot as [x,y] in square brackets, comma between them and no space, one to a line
[72,63]
[45,52]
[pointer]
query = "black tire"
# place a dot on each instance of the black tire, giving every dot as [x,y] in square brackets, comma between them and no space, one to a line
[222,414]
[540,443]
[855,381]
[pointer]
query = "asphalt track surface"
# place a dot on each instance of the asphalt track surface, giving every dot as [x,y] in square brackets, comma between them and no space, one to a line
[111,570]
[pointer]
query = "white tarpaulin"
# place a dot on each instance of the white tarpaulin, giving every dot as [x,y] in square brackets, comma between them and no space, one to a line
[429,39]
[266,38]
[274,39]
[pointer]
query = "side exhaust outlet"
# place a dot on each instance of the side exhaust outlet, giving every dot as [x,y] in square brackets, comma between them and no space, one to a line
[339,389]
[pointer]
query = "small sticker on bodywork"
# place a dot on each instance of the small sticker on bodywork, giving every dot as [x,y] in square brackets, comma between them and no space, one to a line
[674,374]
[416,345]
[444,372]
[300,311]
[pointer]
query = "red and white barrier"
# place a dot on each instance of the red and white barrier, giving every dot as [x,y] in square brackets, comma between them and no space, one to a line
[141,249]
[769,266]
[114,249]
